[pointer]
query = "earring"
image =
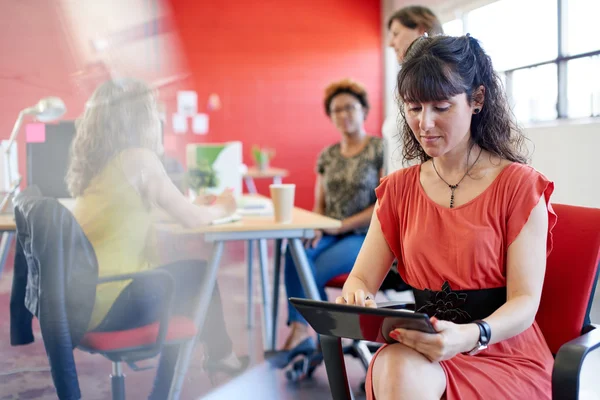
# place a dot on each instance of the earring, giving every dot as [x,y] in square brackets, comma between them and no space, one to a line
[476,111]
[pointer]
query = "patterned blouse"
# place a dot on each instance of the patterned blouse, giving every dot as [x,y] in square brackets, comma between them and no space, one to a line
[350,182]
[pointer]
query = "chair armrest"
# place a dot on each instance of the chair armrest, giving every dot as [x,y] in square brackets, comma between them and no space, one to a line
[169,282]
[568,362]
[333,355]
[397,305]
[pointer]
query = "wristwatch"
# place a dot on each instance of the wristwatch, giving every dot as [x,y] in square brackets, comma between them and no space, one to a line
[485,335]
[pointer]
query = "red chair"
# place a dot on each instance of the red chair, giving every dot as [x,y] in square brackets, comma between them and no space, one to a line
[133,345]
[563,316]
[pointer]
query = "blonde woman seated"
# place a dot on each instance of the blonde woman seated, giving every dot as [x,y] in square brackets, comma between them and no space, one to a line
[116,176]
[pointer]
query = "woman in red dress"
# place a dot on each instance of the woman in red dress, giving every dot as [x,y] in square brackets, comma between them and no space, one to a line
[470,225]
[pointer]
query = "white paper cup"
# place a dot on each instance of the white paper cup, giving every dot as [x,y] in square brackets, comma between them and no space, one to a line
[282,196]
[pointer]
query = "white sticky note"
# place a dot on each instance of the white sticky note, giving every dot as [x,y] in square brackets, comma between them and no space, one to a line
[200,124]
[162,111]
[180,123]
[187,102]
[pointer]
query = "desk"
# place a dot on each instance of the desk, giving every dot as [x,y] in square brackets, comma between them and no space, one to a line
[7,223]
[260,228]
[270,173]
[7,228]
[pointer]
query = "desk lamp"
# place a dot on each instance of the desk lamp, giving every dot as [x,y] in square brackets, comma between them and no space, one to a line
[46,110]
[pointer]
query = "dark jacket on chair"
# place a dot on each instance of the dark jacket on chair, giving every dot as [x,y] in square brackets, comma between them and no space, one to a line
[54,279]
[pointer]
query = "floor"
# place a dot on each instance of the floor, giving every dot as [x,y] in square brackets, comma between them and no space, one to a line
[24,370]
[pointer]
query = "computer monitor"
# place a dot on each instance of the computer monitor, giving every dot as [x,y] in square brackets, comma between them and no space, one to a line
[47,161]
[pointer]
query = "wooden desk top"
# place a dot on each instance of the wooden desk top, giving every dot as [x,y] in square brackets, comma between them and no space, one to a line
[7,222]
[301,219]
[254,172]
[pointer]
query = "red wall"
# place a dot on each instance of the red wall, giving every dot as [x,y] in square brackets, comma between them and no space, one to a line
[269,61]
[36,62]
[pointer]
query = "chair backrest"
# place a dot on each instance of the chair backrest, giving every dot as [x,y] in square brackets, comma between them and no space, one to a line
[571,274]
[60,258]
[61,273]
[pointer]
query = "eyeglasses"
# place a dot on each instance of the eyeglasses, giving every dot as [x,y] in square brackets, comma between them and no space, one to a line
[350,109]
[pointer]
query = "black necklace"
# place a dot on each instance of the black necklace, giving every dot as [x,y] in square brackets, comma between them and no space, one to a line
[453,187]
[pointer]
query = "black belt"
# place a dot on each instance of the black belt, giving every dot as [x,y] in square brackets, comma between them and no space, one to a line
[459,306]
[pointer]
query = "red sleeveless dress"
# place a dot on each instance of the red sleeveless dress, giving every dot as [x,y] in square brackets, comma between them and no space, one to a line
[467,246]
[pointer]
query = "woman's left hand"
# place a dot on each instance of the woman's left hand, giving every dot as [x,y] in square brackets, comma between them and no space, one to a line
[450,340]
[332,231]
[335,231]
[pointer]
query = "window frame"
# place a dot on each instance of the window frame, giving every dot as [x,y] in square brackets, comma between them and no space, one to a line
[561,62]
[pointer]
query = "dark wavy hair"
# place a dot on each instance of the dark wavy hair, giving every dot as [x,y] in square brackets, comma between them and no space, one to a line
[440,67]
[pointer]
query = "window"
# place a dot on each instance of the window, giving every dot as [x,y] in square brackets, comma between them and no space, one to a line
[533,98]
[508,34]
[546,76]
[581,21]
[453,28]
[583,87]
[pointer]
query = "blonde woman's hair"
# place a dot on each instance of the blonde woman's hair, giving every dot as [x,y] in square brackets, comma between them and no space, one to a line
[121,114]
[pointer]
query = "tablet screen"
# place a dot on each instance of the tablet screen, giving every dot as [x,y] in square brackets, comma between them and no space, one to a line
[361,323]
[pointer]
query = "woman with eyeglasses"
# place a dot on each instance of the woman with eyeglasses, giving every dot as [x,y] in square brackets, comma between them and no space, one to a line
[347,174]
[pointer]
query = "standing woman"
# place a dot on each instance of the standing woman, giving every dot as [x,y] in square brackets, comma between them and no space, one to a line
[404,26]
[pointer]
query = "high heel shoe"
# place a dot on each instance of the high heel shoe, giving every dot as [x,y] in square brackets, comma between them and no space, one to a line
[214,367]
[280,359]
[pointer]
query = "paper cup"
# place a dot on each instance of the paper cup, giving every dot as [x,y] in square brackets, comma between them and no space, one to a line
[282,196]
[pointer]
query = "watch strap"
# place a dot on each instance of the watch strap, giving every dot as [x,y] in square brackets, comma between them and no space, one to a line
[485,332]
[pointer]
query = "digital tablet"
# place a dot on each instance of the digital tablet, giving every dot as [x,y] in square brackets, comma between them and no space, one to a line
[360,323]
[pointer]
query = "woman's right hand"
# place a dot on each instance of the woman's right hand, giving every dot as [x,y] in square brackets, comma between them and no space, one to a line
[357,298]
[226,202]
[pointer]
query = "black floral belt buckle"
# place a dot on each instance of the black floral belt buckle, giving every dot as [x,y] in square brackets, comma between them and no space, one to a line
[445,304]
